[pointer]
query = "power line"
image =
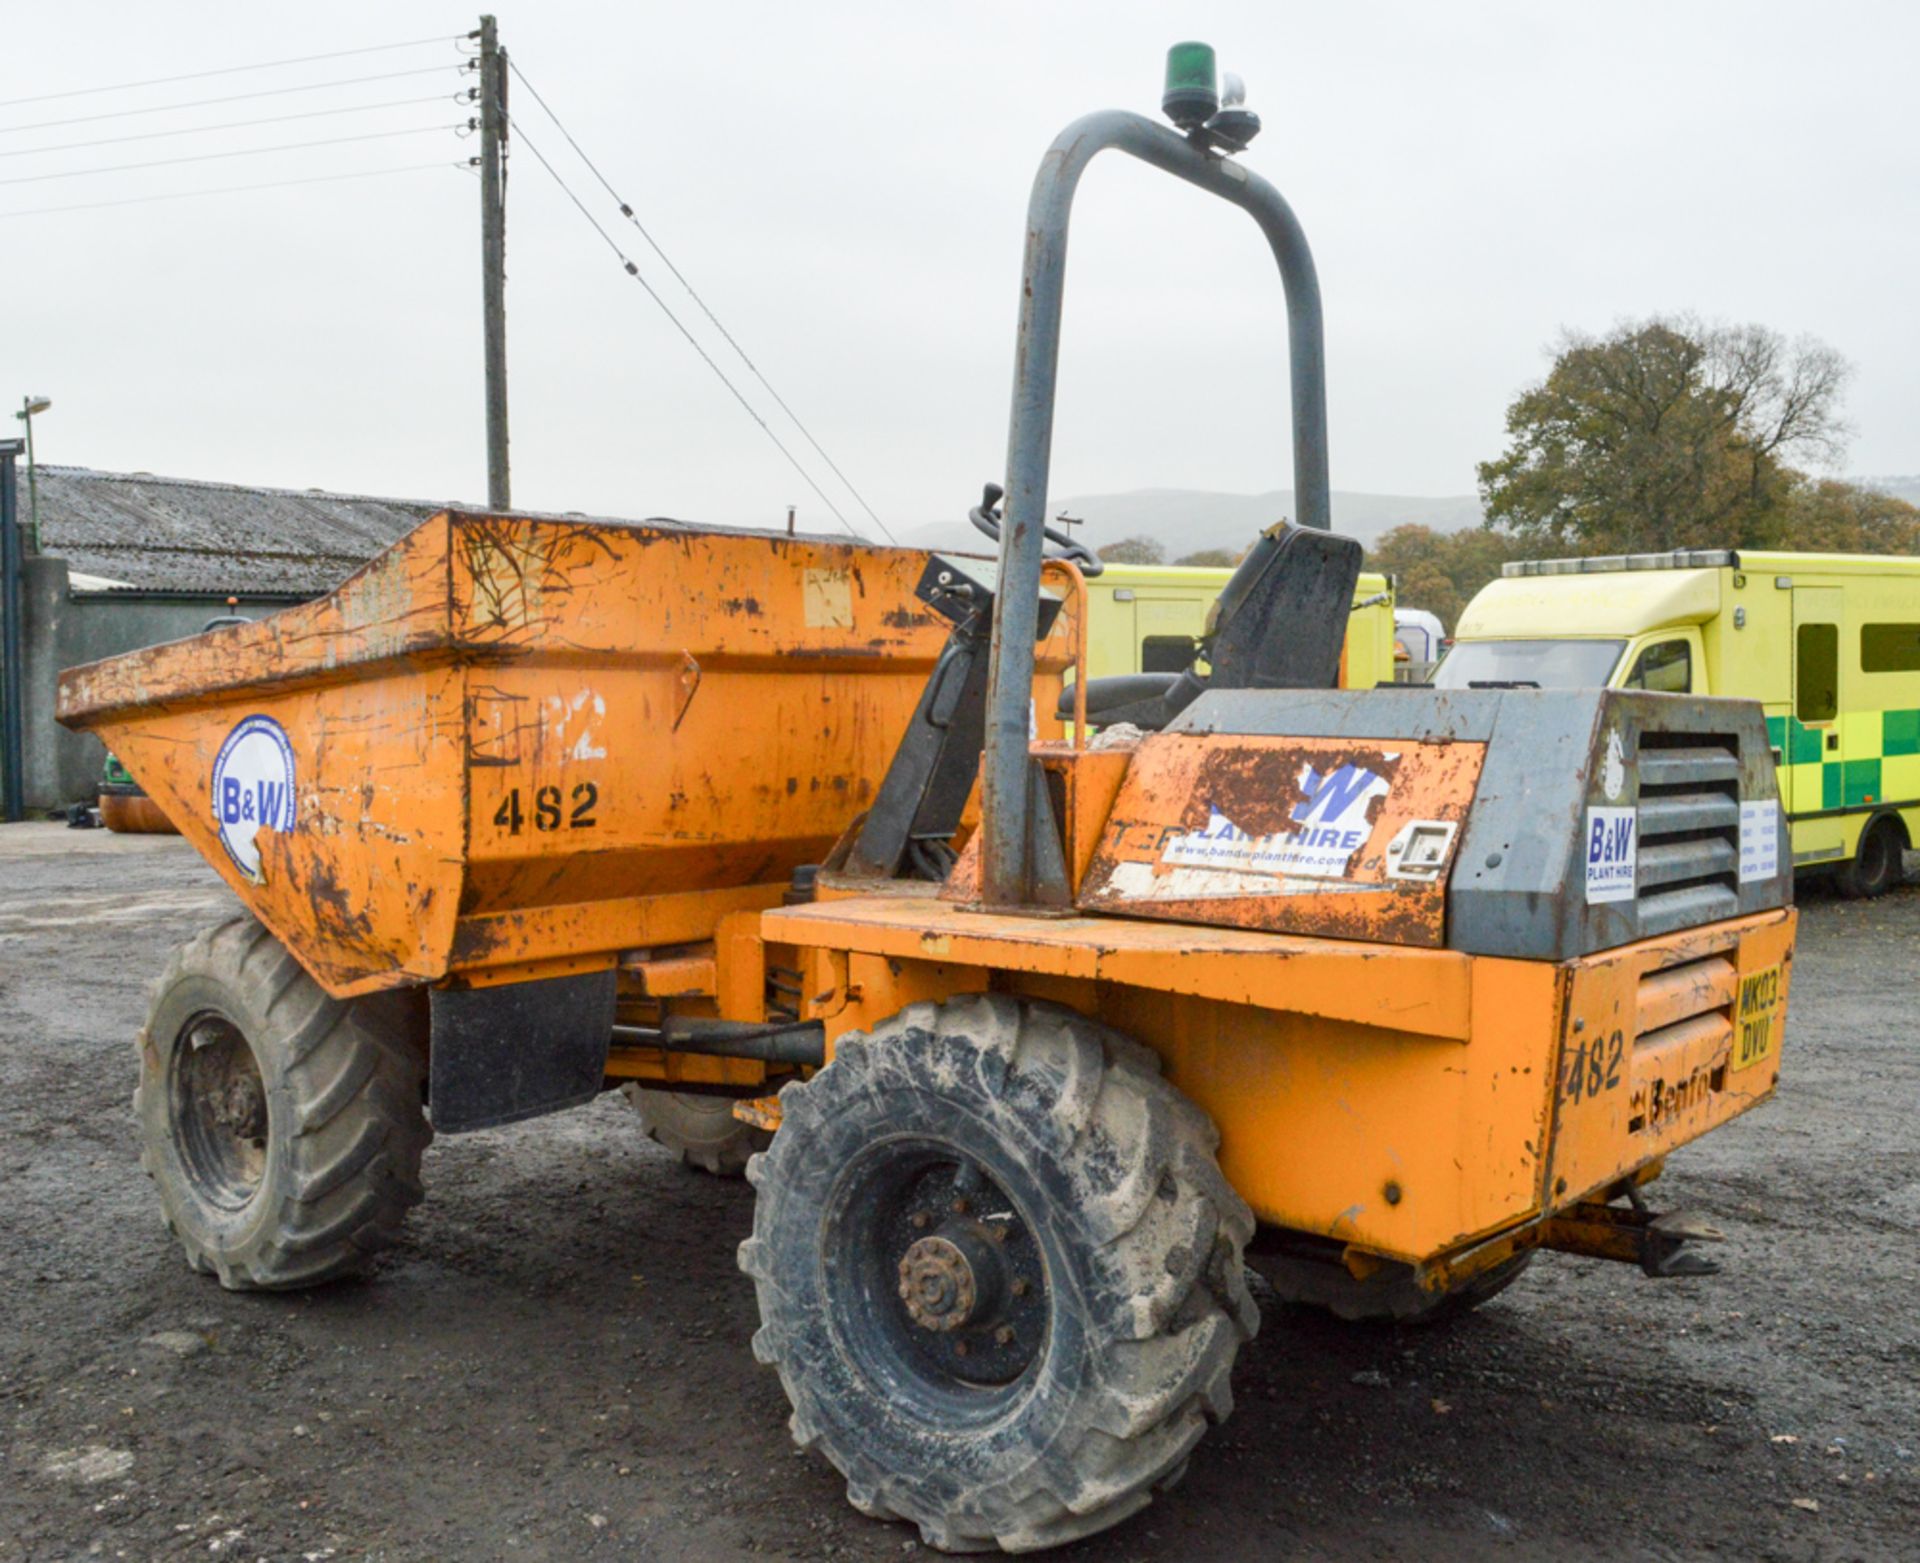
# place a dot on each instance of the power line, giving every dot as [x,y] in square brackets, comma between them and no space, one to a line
[232,124]
[231,70]
[208,157]
[634,272]
[236,97]
[187,195]
[627,212]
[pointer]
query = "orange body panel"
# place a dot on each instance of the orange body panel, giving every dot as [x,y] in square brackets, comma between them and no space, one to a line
[1665,1039]
[1402,1100]
[523,746]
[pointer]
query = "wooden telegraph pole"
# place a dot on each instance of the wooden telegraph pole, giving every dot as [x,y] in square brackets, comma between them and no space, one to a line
[493,255]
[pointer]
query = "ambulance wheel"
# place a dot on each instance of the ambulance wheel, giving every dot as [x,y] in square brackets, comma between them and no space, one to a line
[999,1272]
[1877,866]
[1389,1295]
[283,1128]
[700,1130]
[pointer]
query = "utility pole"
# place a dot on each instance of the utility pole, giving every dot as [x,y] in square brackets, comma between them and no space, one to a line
[30,407]
[493,255]
[13,746]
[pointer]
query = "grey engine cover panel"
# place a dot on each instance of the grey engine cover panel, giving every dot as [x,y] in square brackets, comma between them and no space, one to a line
[1683,764]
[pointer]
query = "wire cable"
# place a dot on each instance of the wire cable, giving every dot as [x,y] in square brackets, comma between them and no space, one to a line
[187,195]
[232,124]
[627,212]
[237,97]
[208,157]
[230,70]
[634,272]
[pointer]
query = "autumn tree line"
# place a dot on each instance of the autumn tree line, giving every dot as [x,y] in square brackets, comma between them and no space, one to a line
[1664,433]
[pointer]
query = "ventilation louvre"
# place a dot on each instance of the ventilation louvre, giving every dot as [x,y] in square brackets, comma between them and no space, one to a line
[1688,867]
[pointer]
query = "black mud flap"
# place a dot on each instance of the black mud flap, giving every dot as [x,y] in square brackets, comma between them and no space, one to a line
[518,1050]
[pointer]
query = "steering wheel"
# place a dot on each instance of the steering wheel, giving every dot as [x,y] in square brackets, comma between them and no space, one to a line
[987,518]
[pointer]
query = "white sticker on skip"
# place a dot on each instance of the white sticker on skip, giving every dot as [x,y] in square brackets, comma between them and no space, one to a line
[1759,840]
[1612,840]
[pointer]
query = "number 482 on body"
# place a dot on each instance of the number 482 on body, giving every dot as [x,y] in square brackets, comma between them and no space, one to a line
[548,813]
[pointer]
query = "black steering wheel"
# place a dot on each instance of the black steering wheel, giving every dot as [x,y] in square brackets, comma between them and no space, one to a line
[987,518]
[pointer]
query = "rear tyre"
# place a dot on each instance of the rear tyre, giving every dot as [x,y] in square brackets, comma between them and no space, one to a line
[283,1128]
[999,1272]
[700,1130]
[1389,1295]
[1877,866]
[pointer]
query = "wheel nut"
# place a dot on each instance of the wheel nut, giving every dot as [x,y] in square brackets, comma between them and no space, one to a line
[1004,1335]
[959,1348]
[920,1219]
[960,1206]
[1019,1286]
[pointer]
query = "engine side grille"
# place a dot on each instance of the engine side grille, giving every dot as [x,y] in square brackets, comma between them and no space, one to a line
[1681,1009]
[1688,862]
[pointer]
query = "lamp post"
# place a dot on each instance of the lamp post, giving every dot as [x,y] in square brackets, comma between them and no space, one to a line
[29,406]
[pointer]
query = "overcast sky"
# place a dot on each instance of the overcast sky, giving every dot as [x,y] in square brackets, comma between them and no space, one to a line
[845,184]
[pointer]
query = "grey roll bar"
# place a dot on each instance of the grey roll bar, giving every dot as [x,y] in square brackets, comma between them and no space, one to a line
[1008,874]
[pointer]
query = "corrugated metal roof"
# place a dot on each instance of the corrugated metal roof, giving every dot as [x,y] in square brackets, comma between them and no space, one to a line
[155,534]
[183,537]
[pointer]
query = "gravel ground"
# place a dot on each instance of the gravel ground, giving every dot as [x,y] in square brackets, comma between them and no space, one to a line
[555,1365]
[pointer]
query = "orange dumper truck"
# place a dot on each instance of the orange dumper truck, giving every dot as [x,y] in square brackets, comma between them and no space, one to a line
[1382,990]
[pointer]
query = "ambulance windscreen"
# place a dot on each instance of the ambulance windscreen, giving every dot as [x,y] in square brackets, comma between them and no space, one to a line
[1538,664]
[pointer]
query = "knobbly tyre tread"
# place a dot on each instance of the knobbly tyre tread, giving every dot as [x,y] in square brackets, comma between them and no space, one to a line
[346,1128]
[1161,1290]
[1390,1296]
[668,1120]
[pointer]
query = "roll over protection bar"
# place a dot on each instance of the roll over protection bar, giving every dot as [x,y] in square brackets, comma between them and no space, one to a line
[1009,873]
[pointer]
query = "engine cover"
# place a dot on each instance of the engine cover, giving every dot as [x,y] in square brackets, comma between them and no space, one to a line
[1536,824]
[1344,838]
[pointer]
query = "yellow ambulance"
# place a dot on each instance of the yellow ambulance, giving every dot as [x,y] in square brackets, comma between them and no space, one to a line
[1146,618]
[1828,643]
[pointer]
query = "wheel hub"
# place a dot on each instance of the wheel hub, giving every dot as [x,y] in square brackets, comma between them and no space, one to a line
[219,1108]
[938,1284]
[957,1265]
[241,1109]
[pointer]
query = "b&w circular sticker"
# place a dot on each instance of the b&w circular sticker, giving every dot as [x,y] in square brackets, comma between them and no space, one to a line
[253,788]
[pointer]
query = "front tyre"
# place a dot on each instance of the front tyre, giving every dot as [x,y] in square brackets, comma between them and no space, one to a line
[999,1271]
[283,1128]
[701,1130]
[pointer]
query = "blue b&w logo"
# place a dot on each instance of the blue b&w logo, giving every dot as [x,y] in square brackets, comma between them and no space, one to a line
[1613,851]
[253,789]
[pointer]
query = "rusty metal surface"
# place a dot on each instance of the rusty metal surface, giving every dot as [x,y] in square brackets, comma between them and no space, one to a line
[524,744]
[1664,1040]
[1427,992]
[1558,763]
[1312,836]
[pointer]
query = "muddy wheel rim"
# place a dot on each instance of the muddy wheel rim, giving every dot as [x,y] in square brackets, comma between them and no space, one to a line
[936,1275]
[219,1111]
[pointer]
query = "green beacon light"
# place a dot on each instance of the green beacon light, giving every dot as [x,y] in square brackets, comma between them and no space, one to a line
[1192,95]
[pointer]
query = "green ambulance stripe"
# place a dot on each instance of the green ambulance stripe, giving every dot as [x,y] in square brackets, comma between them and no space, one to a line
[1851,782]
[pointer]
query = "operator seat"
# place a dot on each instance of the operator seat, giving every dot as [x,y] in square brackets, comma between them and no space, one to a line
[1280,623]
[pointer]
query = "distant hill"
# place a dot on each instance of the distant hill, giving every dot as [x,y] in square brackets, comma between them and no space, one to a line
[1907,488]
[1188,520]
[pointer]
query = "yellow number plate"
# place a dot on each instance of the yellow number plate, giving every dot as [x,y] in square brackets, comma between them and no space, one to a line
[1756,1019]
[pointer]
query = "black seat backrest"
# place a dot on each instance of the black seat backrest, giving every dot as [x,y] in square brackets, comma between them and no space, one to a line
[1281,622]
